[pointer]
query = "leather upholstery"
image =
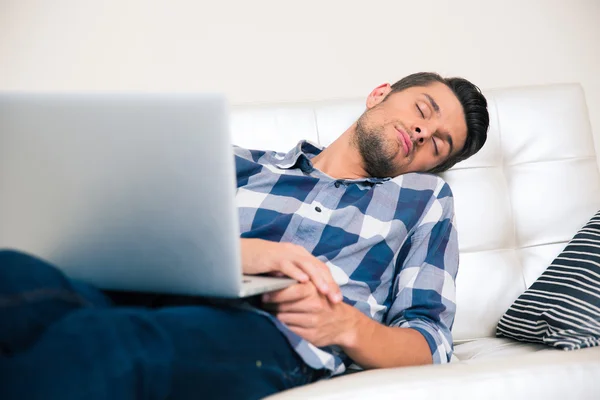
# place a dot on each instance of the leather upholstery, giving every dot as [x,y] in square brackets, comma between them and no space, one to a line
[526,375]
[518,201]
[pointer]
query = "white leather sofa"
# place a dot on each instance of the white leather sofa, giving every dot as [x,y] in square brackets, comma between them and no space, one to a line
[518,202]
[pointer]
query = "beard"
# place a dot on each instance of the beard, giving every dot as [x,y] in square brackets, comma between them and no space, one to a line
[377,158]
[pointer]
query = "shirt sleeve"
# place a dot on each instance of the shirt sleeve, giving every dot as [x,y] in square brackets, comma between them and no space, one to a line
[423,295]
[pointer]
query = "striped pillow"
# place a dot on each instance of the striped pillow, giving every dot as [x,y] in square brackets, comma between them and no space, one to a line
[562,308]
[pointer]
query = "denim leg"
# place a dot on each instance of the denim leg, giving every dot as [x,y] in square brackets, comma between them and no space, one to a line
[63,340]
[34,295]
[195,352]
[93,354]
[229,353]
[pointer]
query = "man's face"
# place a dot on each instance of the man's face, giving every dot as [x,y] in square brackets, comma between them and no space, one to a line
[413,130]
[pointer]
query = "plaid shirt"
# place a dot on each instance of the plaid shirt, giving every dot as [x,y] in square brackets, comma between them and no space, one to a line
[390,244]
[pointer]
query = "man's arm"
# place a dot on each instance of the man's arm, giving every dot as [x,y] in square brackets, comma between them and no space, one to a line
[419,319]
[369,343]
[422,312]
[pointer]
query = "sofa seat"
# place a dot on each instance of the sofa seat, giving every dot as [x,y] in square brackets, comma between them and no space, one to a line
[488,348]
[490,369]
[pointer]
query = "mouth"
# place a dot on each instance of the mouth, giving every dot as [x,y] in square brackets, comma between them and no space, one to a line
[405,141]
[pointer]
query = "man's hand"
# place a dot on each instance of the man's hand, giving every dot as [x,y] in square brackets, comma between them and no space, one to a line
[262,256]
[312,316]
[370,344]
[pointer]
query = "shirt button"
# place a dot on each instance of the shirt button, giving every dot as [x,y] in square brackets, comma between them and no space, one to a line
[337,184]
[318,209]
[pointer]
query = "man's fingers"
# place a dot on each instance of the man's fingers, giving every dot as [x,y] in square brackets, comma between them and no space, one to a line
[290,269]
[302,320]
[316,271]
[320,274]
[306,305]
[292,293]
[334,294]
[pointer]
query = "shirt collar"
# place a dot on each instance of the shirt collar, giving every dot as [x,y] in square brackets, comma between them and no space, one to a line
[300,157]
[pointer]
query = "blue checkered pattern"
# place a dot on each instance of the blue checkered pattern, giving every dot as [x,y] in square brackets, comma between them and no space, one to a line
[390,244]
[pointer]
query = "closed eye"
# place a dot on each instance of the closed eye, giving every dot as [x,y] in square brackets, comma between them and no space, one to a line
[420,111]
[437,152]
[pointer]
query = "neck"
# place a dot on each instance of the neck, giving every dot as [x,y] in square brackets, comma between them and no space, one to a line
[341,159]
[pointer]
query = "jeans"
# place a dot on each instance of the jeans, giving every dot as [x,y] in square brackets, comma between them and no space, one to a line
[62,339]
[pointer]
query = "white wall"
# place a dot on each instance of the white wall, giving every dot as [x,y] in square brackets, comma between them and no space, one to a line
[283,50]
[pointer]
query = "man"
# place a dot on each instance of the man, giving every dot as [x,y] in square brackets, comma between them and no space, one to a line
[367,234]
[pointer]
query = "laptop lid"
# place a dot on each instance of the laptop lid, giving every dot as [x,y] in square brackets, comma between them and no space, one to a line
[124,191]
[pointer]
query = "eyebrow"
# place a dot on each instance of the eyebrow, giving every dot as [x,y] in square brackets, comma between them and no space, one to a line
[434,105]
[436,108]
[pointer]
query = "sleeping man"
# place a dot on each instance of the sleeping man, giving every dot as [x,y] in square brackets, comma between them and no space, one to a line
[366,228]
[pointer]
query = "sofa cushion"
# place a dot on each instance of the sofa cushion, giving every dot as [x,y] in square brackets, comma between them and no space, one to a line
[495,347]
[551,374]
[562,307]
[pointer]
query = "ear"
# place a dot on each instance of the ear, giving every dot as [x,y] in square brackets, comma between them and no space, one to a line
[378,94]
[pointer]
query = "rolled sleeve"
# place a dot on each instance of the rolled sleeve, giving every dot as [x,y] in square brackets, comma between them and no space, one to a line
[424,295]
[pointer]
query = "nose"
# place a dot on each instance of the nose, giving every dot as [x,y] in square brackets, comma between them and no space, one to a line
[422,133]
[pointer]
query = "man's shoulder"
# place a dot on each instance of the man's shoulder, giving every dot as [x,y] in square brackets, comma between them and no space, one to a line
[422,182]
[257,156]
[428,196]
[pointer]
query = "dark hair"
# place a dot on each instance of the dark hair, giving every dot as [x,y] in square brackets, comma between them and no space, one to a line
[474,105]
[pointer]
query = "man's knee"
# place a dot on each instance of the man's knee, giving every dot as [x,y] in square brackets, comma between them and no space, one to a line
[10,257]
[21,271]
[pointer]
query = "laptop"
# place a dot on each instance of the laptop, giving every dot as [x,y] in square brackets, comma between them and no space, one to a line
[125,191]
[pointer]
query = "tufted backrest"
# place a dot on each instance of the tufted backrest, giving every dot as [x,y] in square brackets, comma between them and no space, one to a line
[518,201]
